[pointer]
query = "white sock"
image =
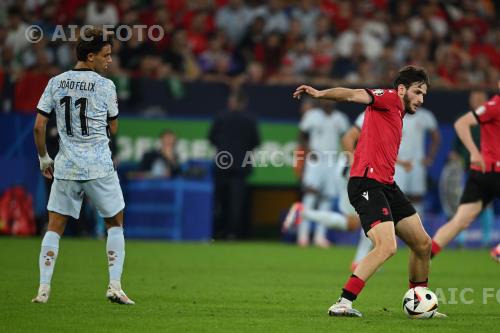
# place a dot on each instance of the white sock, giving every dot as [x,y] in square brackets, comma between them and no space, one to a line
[364,246]
[48,256]
[329,219]
[321,229]
[305,226]
[115,250]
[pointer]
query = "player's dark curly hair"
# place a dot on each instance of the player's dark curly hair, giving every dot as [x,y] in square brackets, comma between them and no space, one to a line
[409,75]
[92,40]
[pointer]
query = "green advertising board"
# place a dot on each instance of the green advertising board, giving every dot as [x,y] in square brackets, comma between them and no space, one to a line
[272,160]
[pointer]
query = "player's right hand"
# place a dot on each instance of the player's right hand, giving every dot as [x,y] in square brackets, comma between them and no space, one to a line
[407,165]
[477,160]
[303,89]
[46,166]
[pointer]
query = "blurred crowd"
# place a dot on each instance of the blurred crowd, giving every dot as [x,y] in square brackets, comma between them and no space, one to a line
[322,42]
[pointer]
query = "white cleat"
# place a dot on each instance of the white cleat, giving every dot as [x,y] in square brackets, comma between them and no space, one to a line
[293,217]
[342,310]
[118,296]
[43,294]
[439,315]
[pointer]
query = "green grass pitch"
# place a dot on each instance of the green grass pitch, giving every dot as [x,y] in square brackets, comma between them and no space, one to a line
[232,287]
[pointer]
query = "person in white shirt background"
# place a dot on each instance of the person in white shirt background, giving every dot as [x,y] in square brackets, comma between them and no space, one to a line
[320,131]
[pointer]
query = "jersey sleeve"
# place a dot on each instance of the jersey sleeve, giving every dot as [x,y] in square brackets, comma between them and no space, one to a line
[112,102]
[487,112]
[46,102]
[382,99]
[359,120]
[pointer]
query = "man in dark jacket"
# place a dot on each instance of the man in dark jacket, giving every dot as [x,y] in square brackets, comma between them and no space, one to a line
[234,133]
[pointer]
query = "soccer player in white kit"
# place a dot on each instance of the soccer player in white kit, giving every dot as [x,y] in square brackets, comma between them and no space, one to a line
[86,106]
[411,170]
[346,219]
[321,129]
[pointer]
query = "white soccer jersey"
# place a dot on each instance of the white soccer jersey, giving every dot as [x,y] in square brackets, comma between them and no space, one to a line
[359,120]
[324,129]
[414,128]
[84,101]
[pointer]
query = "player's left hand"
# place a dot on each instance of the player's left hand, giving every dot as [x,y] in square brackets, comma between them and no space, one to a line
[46,166]
[303,89]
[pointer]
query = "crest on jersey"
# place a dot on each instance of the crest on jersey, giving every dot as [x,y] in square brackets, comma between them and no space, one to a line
[480,110]
[378,92]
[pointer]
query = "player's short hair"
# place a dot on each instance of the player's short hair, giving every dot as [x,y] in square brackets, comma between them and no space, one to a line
[409,75]
[92,41]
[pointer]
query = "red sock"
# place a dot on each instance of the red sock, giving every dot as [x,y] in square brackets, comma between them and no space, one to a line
[352,288]
[435,249]
[413,284]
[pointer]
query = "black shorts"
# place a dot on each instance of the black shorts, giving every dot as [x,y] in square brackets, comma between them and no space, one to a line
[376,202]
[481,186]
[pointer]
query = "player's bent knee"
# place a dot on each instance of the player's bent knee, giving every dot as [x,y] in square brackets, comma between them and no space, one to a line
[115,221]
[386,250]
[423,248]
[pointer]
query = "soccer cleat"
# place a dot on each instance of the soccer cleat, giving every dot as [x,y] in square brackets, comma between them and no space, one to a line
[118,296]
[343,310]
[293,217]
[439,315]
[43,294]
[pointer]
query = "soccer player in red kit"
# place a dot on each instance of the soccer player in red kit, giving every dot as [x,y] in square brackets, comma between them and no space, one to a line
[483,183]
[383,209]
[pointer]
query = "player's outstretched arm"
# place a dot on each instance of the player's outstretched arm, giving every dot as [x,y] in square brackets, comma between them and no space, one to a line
[463,128]
[336,94]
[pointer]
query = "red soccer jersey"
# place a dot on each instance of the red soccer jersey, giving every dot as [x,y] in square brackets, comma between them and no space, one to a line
[488,116]
[377,150]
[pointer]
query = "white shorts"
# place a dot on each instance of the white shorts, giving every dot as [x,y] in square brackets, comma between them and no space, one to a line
[320,176]
[105,193]
[413,182]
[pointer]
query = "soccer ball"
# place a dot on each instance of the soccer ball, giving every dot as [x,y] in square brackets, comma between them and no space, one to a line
[420,303]
[495,253]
